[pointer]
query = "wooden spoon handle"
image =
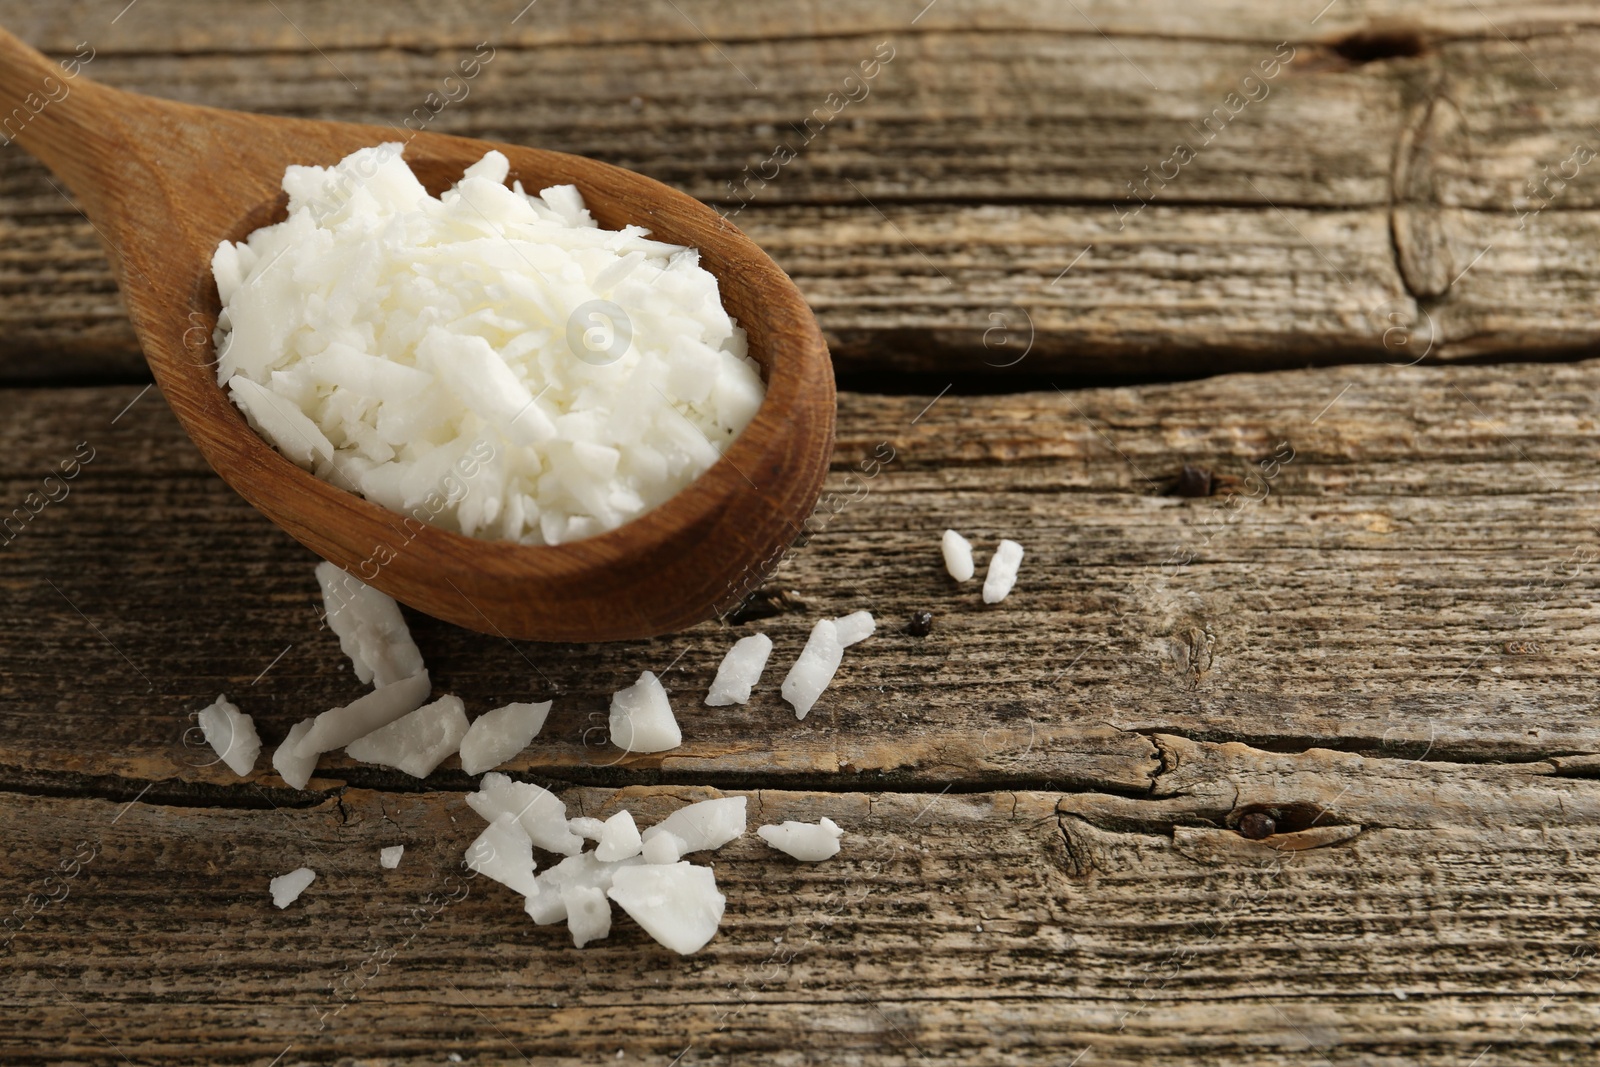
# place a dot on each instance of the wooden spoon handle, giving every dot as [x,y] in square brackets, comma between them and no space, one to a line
[62,118]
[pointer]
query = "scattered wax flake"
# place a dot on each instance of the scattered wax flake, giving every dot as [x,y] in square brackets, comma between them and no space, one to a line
[504,853]
[642,719]
[286,888]
[804,841]
[815,668]
[292,766]
[588,913]
[369,626]
[390,856]
[664,848]
[708,824]
[957,555]
[496,736]
[232,734]
[854,628]
[1002,572]
[619,840]
[418,741]
[678,905]
[740,670]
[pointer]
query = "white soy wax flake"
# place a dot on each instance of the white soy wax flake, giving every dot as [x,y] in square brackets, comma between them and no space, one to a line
[504,853]
[337,727]
[677,904]
[619,839]
[815,668]
[389,857]
[588,913]
[854,628]
[496,736]
[957,552]
[1002,572]
[231,734]
[810,842]
[641,717]
[293,766]
[739,671]
[708,824]
[417,742]
[286,888]
[369,626]
[663,848]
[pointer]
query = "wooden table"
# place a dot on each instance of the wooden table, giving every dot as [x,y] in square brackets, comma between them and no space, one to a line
[1390,653]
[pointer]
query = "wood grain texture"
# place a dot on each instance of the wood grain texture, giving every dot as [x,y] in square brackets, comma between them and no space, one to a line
[939,210]
[1418,582]
[1011,928]
[170,25]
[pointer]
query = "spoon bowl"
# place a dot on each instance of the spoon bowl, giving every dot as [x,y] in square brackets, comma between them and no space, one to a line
[163,183]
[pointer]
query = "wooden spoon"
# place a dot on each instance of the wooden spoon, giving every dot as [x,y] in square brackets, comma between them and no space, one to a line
[164,182]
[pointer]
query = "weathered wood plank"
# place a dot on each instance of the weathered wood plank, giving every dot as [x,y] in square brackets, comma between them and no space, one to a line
[1390,655]
[1419,580]
[891,299]
[977,168]
[1203,789]
[958,117]
[957,929]
[169,25]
